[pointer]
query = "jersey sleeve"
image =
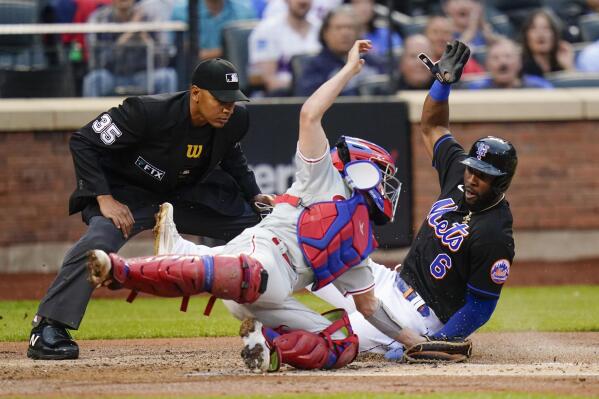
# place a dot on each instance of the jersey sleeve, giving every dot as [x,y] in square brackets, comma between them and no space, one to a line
[235,163]
[356,280]
[447,155]
[314,174]
[489,268]
[118,128]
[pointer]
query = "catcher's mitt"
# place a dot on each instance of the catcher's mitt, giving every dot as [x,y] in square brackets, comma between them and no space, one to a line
[438,351]
[449,68]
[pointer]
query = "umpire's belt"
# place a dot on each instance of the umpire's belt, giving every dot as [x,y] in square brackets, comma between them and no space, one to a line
[412,296]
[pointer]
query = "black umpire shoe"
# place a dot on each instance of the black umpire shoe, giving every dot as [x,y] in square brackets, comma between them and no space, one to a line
[50,341]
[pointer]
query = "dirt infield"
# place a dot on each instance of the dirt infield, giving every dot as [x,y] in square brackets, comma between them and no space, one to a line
[558,363]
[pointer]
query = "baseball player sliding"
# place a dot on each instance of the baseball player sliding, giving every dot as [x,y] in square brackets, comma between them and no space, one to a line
[451,279]
[319,233]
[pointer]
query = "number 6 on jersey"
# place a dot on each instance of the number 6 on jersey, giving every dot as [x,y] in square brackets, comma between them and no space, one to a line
[440,265]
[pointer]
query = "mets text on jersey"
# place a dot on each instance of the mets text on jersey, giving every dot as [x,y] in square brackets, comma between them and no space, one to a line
[451,236]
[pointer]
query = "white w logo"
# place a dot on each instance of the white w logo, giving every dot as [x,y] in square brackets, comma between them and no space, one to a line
[33,339]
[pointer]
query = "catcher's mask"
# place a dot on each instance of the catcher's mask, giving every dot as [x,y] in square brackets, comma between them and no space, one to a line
[385,193]
[495,157]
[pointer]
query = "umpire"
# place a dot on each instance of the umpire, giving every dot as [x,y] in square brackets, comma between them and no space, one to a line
[178,147]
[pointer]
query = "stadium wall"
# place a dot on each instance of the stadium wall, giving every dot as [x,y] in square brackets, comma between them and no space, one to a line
[554,195]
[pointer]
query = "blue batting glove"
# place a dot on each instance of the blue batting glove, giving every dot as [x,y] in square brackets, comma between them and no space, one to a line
[394,355]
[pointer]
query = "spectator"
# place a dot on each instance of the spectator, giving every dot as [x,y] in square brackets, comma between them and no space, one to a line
[275,40]
[66,11]
[505,70]
[413,74]
[120,59]
[379,36]
[338,33]
[77,11]
[543,49]
[438,31]
[469,24]
[157,11]
[213,15]
[319,9]
[259,6]
[588,59]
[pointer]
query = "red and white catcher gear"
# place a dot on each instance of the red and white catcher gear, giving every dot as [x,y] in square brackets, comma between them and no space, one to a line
[239,278]
[306,350]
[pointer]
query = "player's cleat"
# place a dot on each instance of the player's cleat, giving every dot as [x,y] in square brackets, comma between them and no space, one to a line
[165,231]
[256,353]
[51,342]
[99,265]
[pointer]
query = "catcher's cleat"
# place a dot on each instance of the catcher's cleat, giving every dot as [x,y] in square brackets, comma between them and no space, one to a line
[256,353]
[165,231]
[99,266]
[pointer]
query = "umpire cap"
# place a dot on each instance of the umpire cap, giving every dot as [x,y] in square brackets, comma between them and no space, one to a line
[220,78]
[495,157]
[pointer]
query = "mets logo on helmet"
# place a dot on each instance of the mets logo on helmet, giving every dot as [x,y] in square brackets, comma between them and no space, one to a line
[481,150]
[500,271]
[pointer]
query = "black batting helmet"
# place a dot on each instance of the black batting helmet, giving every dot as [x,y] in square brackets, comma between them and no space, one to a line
[496,157]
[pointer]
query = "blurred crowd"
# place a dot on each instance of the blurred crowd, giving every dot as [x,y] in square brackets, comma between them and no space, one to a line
[290,47]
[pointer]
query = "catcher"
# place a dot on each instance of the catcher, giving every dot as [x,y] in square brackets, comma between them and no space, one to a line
[320,233]
[451,279]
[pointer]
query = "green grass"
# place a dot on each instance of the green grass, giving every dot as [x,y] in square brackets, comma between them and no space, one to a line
[360,395]
[144,318]
[563,308]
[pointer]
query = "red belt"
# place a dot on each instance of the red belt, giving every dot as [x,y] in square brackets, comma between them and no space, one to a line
[277,242]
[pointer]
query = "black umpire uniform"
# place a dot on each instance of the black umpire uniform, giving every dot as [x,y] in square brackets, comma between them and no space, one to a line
[145,152]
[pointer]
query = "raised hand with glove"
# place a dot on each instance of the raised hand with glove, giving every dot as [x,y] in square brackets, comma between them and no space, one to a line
[451,65]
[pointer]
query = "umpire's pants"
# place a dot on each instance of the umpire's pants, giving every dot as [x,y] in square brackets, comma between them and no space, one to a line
[69,294]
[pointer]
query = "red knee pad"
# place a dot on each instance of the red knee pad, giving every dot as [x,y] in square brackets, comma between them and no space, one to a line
[306,350]
[302,349]
[240,278]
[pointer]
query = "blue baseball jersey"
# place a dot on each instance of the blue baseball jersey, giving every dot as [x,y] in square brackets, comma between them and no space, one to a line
[456,250]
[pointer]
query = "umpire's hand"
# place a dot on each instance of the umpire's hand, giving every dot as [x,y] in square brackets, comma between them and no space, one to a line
[119,213]
[449,68]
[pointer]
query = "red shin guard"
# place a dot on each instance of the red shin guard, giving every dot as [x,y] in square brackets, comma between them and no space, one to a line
[239,278]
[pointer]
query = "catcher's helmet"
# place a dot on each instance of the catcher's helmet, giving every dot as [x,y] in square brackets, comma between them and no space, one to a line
[349,149]
[496,157]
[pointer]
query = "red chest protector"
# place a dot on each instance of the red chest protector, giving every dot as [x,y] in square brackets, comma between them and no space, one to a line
[333,236]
